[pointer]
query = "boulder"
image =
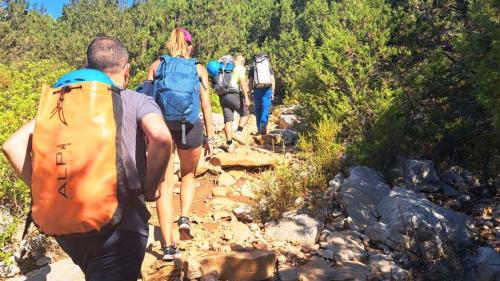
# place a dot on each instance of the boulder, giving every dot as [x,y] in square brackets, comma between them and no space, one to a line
[245,157]
[318,269]
[248,190]
[219,191]
[346,246]
[243,213]
[377,232]
[484,265]
[284,137]
[225,179]
[289,110]
[222,203]
[157,270]
[59,271]
[404,211]
[355,270]
[287,121]
[360,193]
[419,175]
[240,232]
[242,266]
[301,229]
[383,265]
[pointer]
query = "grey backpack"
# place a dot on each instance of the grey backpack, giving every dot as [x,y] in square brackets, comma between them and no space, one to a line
[222,81]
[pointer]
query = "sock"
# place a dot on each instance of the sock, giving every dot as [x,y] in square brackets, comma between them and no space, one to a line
[240,129]
[229,142]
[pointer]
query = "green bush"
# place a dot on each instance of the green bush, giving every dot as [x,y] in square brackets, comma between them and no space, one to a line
[19,96]
[308,178]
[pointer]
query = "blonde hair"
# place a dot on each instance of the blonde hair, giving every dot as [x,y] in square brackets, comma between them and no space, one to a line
[239,58]
[177,45]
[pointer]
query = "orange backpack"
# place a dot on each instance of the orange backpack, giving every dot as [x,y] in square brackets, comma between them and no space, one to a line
[78,172]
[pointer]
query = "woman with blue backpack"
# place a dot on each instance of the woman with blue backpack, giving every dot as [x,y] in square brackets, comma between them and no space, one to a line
[180,89]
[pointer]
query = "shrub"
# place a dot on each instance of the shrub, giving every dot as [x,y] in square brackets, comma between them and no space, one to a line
[307,178]
[19,99]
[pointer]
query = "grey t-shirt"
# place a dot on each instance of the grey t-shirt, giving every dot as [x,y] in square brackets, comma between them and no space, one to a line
[135,107]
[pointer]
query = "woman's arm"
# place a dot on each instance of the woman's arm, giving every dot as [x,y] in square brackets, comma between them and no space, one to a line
[206,106]
[152,70]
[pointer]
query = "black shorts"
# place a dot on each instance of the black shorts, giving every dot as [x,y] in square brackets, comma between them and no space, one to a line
[233,102]
[194,135]
[113,256]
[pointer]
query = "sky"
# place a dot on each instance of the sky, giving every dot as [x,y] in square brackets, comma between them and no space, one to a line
[53,7]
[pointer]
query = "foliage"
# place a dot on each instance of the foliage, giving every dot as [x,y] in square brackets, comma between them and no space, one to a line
[19,95]
[320,158]
[392,78]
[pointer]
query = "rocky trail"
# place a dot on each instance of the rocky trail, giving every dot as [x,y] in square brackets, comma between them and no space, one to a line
[369,230]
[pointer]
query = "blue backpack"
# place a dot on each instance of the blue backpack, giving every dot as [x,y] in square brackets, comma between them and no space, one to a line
[176,89]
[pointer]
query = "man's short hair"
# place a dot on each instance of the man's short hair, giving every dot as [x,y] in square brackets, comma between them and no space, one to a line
[107,54]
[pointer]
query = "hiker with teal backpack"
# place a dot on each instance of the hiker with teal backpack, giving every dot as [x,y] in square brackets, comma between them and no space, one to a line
[230,84]
[262,84]
[179,87]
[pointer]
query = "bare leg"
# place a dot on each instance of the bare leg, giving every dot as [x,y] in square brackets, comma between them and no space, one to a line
[164,204]
[228,129]
[243,121]
[189,162]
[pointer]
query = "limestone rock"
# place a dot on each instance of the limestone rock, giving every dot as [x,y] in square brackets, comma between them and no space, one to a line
[419,175]
[242,266]
[161,271]
[245,157]
[318,269]
[360,193]
[355,271]
[59,271]
[240,232]
[484,266]
[300,229]
[248,190]
[346,246]
[383,265]
[283,137]
[243,213]
[377,232]
[219,191]
[221,203]
[287,121]
[405,211]
[225,179]
[237,174]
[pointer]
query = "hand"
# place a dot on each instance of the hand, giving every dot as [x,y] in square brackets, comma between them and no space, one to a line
[272,95]
[148,195]
[209,149]
[247,101]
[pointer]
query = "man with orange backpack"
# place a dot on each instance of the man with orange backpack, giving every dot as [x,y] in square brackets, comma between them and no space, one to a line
[84,157]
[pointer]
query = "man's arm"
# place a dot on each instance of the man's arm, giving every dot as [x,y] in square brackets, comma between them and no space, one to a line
[273,85]
[17,149]
[159,151]
[244,88]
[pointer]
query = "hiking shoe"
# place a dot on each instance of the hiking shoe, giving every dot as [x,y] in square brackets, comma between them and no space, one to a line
[184,228]
[238,136]
[231,148]
[170,253]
